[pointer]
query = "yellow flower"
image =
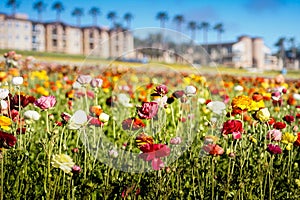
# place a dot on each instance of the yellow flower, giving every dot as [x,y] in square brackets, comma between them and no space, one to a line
[63,161]
[252,139]
[297,181]
[288,138]
[42,91]
[5,122]
[263,115]
[256,105]
[243,102]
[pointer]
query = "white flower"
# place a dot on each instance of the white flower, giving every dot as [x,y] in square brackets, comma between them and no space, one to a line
[238,88]
[77,120]
[3,104]
[18,80]
[190,90]
[216,107]
[296,96]
[32,114]
[123,99]
[201,100]
[63,161]
[76,85]
[3,93]
[161,101]
[103,117]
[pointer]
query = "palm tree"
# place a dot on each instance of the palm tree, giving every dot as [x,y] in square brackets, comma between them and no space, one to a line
[179,20]
[204,26]
[293,48]
[14,4]
[112,16]
[128,18]
[280,45]
[192,25]
[94,12]
[58,7]
[39,6]
[78,13]
[220,29]
[162,17]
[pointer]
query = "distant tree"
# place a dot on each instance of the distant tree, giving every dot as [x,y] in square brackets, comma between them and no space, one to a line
[204,26]
[219,28]
[40,7]
[112,16]
[13,4]
[179,20]
[281,52]
[94,12]
[192,25]
[128,18]
[293,48]
[59,8]
[162,17]
[78,13]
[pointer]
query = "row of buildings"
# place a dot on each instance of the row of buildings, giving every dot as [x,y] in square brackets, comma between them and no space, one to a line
[20,33]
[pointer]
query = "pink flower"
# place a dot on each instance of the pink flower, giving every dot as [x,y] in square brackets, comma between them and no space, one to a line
[236,135]
[213,149]
[76,169]
[148,110]
[153,153]
[274,149]
[96,82]
[176,140]
[45,102]
[161,90]
[84,79]
[274,135]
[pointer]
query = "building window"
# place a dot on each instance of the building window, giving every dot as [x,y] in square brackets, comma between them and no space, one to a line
[91,34]
[54,31]
[54,43]
[17,24]
[91,45]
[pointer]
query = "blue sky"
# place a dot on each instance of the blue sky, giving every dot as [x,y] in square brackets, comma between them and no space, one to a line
[269,19]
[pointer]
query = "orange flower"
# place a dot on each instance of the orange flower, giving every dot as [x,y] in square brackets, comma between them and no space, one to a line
[243,102]
[96,110]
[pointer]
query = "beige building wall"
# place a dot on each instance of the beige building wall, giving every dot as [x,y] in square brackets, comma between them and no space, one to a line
[73,40]
[258,53]
[15,32]
[38,37]
[116,43]
[128,47]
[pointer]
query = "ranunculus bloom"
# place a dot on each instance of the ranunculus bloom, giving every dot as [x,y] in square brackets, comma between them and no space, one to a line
[257,97]
[213,149]
[3,93]
[7,140]
[148,110]
[96,82]
[124,100]
[45,102]
[142,139]
[276,95]
[274,149]
[63,161]
[76,169]
[271,121]
[263,115]
[17,99]
[236,135]
[178,94]
[216,107]
[232,126]
[113,153]
[84,79]
[289,118]
[132,124]
[238,88]
[17,80]
[103,117]
[153,153]
[190,90]
[32,114]
[161,90]
[5,122]
[65,117]
[176,140]
[279,125]
[78,120]
[95,121]
[274,135]
[297,142]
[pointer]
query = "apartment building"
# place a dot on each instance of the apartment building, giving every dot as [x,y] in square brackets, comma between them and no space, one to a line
[19,33]
[15,32]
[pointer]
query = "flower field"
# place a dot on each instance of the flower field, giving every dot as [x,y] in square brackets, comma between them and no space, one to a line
[117,132]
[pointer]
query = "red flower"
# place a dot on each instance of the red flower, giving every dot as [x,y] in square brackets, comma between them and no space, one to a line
[160,90]
[148,110]
[178,94]
[297,142]
[289,118]
[213,149]
[21,130]
[279,125]
[271,121]
[274,149]
[257,97]
[132,124]
[95,121]
[20,99]
[232,126]
[153,153]
[7,140]
[143,139]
